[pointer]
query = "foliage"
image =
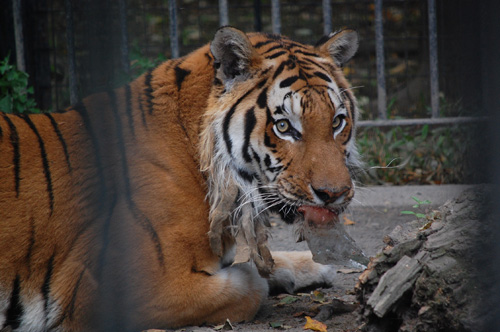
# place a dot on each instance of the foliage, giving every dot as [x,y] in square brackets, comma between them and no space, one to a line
[418,155]
[14,91]
[417,206]
[141,64]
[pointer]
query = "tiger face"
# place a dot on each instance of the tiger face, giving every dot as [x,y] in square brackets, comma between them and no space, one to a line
[285,117]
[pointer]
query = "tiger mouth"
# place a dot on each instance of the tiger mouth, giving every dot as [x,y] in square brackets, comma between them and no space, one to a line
[318,215]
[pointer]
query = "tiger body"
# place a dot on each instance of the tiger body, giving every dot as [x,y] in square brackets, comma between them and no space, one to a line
[105,208]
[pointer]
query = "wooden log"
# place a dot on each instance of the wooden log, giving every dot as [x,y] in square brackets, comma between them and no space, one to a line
[427,278]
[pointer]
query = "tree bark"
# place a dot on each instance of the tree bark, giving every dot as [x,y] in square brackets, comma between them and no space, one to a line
[428,276]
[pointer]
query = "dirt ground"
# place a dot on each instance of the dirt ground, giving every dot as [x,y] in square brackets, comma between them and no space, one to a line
[333,306]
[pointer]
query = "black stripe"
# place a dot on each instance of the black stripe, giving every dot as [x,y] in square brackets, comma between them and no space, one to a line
[16,158]
[144,222]
[307,53]
[128,108]
[1,132]
[248,177]
[227,118]
[60,137]
[314,63]
[279,70]
[267,141]
[348,138]
[71,307]
[263,43]
[46,283]
[262,99]
[293,44]
[45,162]
[256,157]
[269,118]
[148,90]
[180,76]
[209,57]
[15,310]
[291,62]
[267,160]
[250,122]
[275,169]
[141,108]
[82,110]
[352,108]
[288,81]
[31,244]
[323,76]
[273,48]
[275,55]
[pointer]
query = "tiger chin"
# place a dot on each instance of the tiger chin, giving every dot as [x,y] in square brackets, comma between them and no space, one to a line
[127,211]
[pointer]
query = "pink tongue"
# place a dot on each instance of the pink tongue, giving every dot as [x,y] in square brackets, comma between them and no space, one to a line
[318,216]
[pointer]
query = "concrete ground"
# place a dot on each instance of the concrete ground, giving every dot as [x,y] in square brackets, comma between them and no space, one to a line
[375,212]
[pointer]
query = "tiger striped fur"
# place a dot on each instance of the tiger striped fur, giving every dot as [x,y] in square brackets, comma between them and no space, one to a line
[105,207]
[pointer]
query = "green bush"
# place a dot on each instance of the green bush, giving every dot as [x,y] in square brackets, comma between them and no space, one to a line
[14,91]
[420,155]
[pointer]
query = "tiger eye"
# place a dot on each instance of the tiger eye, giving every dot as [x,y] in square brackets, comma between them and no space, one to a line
[283,126]
[336,123]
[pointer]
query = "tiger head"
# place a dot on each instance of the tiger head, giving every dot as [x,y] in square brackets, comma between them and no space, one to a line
[279,128]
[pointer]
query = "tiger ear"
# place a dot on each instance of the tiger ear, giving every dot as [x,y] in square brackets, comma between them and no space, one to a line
[341,45]
[233,54]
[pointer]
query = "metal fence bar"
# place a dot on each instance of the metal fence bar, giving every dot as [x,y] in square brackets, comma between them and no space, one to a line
[276,16]
[425,121]
[327,17]
[174,39]
[124,37]
[379,50]
[223,13]
[70,45]
[433,58]
[18,35]
[257,17]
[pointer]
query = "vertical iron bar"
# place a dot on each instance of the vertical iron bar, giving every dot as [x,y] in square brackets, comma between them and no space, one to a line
[18,35]
[70,45]
[174,39]
[223,13]
[327,17]
[379,50]
[124,37]
[433,58]
[276,16]
[257,15]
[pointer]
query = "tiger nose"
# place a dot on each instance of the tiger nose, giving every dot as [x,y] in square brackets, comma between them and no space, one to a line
[330,195]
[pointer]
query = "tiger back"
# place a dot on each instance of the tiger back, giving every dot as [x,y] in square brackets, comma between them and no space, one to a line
[105,207]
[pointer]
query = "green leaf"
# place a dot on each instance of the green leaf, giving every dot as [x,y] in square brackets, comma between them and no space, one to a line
[416,200]
[288,300]
[408,212]
[6,104]
[275,325]
[420,215]
[425,131]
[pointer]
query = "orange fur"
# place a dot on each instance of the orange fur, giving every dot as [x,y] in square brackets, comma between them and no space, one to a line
[103,213]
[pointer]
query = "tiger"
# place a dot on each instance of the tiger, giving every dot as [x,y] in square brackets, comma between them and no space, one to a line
[106,207]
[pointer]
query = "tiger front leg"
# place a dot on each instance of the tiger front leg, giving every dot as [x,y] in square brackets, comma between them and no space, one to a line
[296,270]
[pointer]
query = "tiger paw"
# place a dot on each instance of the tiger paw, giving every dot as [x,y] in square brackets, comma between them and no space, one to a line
[296,270]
